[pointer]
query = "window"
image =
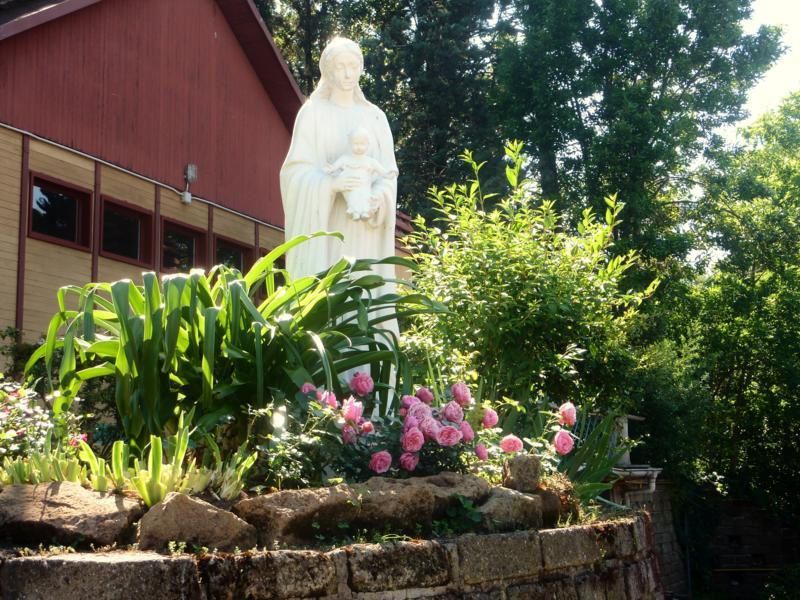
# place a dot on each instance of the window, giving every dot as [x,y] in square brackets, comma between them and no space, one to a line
[127,233]
[60,213]
[183,247]
[232,254]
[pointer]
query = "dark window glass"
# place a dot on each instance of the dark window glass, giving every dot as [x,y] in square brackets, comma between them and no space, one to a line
[122,232]
[180,248]
[59,212]
[230,255]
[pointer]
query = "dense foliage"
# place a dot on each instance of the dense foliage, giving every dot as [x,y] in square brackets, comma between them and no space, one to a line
[750,218]
[203,344]
[609,97]
[536,307]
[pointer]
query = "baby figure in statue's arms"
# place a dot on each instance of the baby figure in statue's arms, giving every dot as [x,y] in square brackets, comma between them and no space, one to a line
[362,166]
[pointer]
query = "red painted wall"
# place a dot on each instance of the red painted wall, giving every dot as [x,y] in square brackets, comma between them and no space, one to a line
[150,86]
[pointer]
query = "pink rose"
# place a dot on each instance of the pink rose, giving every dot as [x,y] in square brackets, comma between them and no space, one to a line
[448,436]
[412,440]
[409,461]
[425,395]
[402,412]
[408,401]
[490,418]
[430,428]
[352,410]
[361,384]
[307,388]
[420,411]
[349,434]
[328,399]
[511,444]
[461,393]
[467,432]
[481,452]
[453,412]
[409,423]
[367,427]
[563,442]
[566,414]
[380,461]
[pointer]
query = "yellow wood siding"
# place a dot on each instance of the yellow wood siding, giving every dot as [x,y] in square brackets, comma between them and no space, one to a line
[113,270]
[195,214]
[234,227]
[122,186]
[47,268]
[10,174]
[269,238]
[62,164]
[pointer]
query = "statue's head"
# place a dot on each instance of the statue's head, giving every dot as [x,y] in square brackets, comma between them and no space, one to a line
[340,65]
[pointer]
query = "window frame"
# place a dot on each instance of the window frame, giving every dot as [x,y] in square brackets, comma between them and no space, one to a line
[248,252]
[147,242]
[200,247]
[85,213]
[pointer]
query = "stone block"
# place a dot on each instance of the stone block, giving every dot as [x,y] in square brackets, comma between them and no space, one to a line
[380,567]
[642,532]
[100,576]
[616,538]
[547,590]
[269,575]
[641,580]
[499,556]
[613,580]
[590,587]
[570,547]
[508,510]
[521,472]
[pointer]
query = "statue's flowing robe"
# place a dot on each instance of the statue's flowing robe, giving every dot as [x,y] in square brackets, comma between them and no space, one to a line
[320,137]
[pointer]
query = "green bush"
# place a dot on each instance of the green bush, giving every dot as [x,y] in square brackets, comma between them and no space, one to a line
[538,307]
[201,343]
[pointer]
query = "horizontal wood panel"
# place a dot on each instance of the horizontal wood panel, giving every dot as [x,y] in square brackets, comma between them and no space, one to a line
[122,186]
[47,268]
[10,177]
[109,270]
[234,227]
[269,238]
[195,214]
[61,164]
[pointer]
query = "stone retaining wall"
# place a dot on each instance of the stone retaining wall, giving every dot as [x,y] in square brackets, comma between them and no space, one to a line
[609,561]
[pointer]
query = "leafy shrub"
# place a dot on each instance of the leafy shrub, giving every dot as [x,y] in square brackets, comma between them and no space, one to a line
[537,307]
[201,343]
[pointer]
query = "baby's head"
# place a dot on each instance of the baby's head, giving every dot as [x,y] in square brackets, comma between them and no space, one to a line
[359,141]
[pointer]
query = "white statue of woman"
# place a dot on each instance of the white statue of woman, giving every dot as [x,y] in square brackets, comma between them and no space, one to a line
[314,195]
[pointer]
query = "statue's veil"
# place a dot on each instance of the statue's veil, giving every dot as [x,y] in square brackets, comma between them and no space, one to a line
[335,47]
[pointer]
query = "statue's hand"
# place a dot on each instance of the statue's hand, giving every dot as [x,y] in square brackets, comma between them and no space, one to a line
[376,212]
[340,183]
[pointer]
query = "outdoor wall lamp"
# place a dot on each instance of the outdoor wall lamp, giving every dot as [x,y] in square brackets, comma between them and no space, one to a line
[190,175]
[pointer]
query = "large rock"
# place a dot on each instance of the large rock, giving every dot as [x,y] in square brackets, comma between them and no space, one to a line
[183,519]
[391,504]
[521,472]
[295,516]
[65,513]
[507,510]
[400,505]
[444,487]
